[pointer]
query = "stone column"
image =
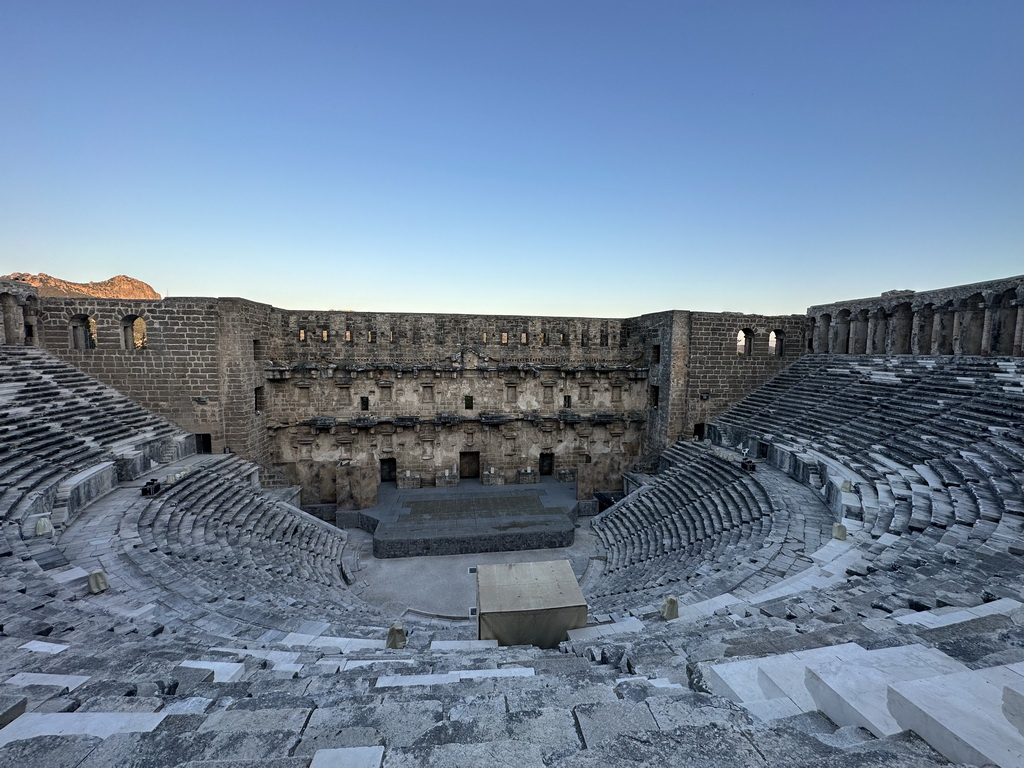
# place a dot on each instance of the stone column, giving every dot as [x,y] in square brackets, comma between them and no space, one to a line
[869,345]
[1018,333]
[938,317]
[833,333]
[986,330]
[958,344]
[916,331]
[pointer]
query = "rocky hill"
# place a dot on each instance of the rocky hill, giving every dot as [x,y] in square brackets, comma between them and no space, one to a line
[117,287]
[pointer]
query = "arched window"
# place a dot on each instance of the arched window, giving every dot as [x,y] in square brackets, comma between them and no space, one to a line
[83,332]
[745,342]
[133,332]
[777,343]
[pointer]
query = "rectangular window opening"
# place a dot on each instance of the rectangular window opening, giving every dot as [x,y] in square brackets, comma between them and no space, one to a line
[469,402]
[364,403]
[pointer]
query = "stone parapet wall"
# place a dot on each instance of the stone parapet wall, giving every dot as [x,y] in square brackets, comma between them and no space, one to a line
[387,544]
[720,371]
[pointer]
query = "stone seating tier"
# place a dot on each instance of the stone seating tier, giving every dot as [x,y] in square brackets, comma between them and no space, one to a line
[959,418]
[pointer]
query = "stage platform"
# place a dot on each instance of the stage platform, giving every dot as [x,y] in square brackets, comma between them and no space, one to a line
[471,518]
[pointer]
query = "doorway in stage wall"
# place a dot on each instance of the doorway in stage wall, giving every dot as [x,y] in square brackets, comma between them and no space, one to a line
[469,464]
[547,463]
[388,470]
[204,442]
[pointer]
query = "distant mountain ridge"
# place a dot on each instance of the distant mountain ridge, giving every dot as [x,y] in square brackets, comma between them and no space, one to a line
[117,287]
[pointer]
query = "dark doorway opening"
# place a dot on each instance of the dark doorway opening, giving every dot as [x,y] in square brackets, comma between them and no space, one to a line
[698,431]
[204,443]
[547,463]
[469,464]
[388,470]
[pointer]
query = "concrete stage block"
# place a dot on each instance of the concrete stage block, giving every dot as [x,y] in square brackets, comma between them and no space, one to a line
[961,715]
[854,691]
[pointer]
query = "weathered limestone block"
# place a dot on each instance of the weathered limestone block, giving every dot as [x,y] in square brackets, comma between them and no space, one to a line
[408,481]
[356,487]
[98,582]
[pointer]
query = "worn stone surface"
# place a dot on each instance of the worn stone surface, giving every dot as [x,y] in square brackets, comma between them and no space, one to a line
[58,751]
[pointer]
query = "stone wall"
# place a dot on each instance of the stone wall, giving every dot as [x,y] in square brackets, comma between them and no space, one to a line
[721,370]
[698,368]
[194,365]
[335,401]
[469,395]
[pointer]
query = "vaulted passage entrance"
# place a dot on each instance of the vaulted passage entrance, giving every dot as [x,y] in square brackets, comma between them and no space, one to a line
[547,463]
[469,464]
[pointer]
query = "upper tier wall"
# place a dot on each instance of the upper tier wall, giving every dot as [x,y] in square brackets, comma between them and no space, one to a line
[976,319]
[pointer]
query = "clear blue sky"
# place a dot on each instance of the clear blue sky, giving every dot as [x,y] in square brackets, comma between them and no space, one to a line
[555,157]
